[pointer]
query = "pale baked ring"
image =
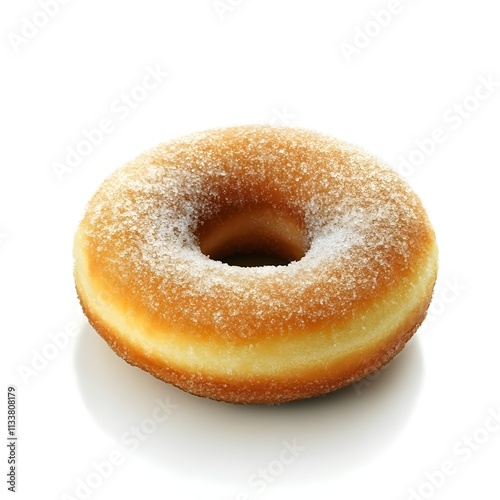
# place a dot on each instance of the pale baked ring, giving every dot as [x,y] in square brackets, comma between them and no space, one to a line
[361,254]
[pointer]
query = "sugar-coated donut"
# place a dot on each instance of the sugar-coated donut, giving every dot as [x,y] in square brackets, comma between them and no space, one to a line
[153,253]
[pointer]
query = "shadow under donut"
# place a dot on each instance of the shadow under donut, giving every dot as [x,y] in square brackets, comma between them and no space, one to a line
[220,442]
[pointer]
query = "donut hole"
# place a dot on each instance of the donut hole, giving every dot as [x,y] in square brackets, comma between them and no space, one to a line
[252,239]
[254,259]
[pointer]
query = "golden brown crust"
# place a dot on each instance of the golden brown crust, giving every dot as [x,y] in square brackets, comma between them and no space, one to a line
[263,390]
[296,331]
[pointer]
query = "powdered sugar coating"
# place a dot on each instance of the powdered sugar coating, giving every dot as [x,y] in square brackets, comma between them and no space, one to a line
[361,223]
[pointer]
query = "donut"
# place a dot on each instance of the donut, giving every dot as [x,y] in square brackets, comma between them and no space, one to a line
[255,264]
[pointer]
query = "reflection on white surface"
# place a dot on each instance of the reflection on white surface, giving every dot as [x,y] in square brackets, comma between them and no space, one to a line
[220,442]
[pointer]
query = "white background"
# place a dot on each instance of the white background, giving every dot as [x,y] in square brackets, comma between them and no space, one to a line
[254,61]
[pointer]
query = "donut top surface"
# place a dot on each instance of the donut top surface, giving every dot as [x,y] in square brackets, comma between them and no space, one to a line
[348,224]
